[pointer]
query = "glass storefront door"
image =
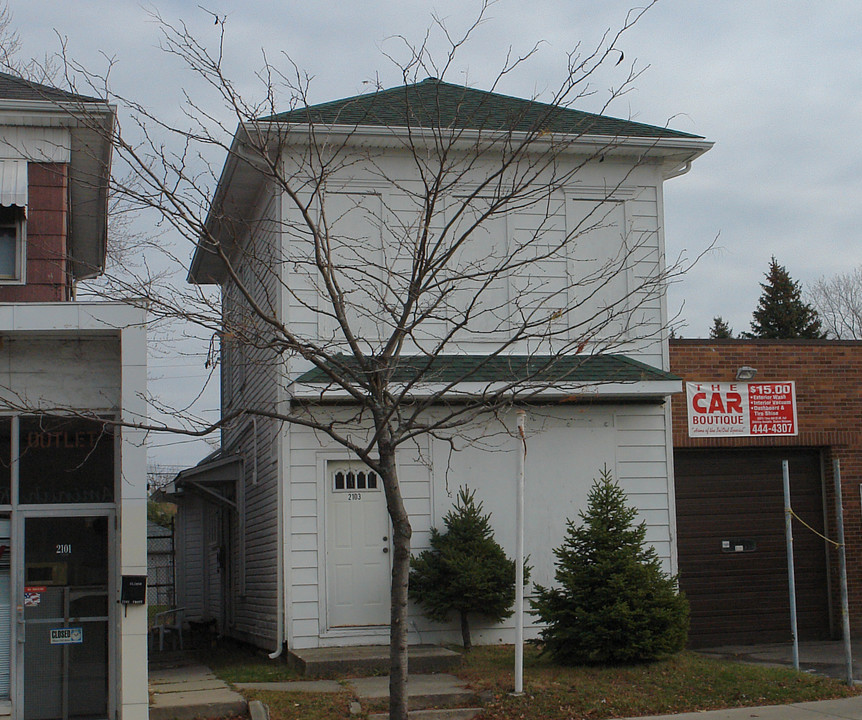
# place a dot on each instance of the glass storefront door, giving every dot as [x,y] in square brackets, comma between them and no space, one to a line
[63,617]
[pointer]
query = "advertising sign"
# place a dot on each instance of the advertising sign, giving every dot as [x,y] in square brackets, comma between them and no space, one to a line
[740,409]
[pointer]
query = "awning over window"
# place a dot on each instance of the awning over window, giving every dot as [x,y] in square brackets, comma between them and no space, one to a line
[13,183]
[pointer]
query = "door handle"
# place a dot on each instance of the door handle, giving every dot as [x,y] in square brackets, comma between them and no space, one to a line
[386,550]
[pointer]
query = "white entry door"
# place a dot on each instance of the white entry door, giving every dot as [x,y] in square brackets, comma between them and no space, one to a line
[357,547]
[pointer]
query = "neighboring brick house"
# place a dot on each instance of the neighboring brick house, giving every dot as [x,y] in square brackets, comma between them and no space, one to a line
[72,484]
[51,162]
[731,488]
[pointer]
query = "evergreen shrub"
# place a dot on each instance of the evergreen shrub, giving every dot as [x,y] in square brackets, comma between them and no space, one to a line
[465,571]
[613,602]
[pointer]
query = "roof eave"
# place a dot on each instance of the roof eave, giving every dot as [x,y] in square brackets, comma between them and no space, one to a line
[202,472]
[301,132]
[206,267]
[60,112]
[544,392]
[89,181]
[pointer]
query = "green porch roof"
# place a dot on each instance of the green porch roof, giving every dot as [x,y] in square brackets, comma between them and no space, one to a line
[513,369]
[433,103]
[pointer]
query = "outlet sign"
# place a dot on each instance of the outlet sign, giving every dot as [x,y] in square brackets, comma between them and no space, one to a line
[741,409]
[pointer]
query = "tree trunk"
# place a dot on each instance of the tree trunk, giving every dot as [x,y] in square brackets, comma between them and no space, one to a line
[401,534]
[465,632]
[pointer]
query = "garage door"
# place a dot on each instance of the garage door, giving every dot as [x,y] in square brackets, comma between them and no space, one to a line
[732,556]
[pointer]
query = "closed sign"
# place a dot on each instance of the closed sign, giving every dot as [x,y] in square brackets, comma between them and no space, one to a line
[67,636]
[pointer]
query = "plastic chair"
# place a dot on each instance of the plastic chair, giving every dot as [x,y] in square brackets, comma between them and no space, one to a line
[168,622]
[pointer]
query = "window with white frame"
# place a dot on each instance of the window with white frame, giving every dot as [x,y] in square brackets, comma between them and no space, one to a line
[11,244]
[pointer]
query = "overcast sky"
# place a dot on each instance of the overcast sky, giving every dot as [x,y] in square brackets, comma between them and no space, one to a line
[777,85]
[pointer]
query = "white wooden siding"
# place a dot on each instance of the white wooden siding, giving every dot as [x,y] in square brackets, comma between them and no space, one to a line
[643,468]
[190,557]
[567,447]
[619,247]
[250,380]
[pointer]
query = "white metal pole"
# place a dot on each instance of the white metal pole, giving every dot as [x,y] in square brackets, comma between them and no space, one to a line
[519,557]
[791,575]
[842,568]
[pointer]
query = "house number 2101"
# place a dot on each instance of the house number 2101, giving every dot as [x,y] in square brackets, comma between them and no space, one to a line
[354,496]
[65,549]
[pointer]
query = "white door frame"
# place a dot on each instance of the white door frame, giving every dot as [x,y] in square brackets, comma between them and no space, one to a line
[19,582]
[324,520]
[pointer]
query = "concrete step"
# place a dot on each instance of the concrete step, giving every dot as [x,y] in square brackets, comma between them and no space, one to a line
[221,703]
[366,660]
[436,714]
[430,697]
[423,691]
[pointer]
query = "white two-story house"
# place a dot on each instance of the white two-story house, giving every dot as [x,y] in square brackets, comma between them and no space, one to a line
[547,228]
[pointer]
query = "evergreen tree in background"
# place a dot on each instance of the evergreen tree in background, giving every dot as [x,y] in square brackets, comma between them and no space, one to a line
[613,602]
[781,313]
[720,330]
[465,571]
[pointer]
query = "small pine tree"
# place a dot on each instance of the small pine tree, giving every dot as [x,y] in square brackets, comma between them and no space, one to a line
[781,313]
[614,603]
[720,330]
[465,571]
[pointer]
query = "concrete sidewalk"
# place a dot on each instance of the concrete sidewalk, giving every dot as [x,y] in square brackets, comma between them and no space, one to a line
[185,690]
[820,657]
[844,709]
[438,695]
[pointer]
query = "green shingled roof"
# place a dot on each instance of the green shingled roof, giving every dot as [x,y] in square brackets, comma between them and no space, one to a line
[514,368]
[434,103]
[13,87]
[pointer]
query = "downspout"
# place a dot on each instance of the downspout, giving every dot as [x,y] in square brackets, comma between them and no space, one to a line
[281,473]
[679,170]
[279,565]
[254,449]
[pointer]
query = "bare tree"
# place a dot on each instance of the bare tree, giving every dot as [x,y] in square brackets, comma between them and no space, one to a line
[401,285]
[10,43]
[838,301]
[44,70]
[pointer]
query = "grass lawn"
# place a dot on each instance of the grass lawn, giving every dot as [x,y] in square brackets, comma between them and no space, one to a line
[305,706]
[683,683]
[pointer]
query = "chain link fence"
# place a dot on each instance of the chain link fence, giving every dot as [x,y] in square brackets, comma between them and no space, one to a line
[161,591]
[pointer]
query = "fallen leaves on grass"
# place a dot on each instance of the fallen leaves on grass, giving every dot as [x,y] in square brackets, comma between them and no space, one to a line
[304,705]
[683,683]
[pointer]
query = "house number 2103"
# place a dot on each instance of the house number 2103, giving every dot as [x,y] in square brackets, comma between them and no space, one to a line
[64,549]
[354,496]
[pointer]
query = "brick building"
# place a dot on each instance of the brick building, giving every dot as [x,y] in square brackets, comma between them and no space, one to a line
[729,494]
